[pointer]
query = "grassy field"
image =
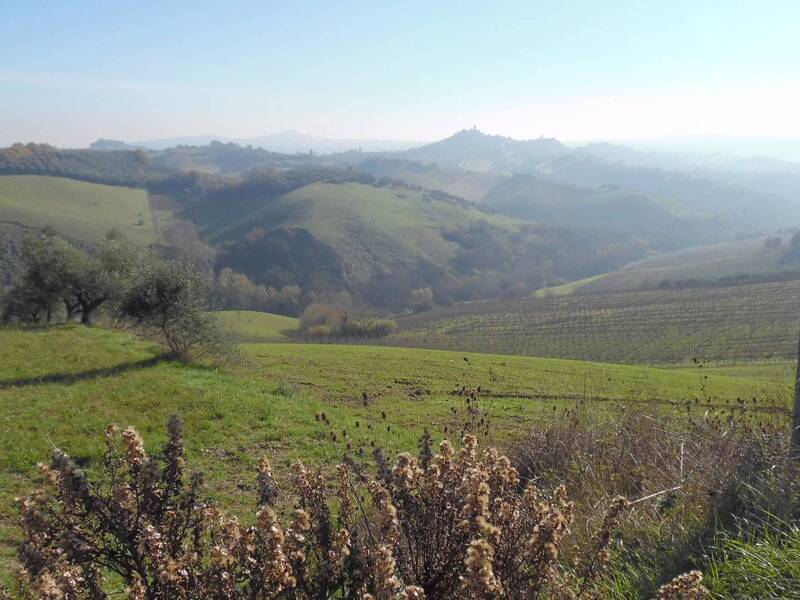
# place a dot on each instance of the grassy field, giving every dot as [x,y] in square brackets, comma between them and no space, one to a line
[742,323]
[709,262]
[269,403]
[565,289]
[776,371]
[253,326]
[79,210]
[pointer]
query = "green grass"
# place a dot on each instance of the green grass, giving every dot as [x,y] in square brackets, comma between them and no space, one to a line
[778,371]
[764,568]
[344,371]
[565,289]
[77,209]
[268,404]
[253,326]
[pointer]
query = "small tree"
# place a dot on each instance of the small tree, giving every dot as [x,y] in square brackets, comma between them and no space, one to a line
[168,301]
[42,280]
[24,304]
[421,299]
[94,280]
[55,271]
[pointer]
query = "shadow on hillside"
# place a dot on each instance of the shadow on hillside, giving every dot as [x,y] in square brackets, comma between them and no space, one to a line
[70,378]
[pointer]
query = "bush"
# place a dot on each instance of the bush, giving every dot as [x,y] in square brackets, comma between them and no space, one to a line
[366,328]
[322,321]
[318,331]
[454,524]
[421,299]
[234,291]
[321,314]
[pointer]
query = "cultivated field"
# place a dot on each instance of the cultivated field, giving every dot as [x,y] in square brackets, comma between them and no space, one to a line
[254,326]
[742,323]
[79,210]
[268,405]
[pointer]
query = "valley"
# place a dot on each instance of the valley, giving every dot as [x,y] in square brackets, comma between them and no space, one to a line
[351,305]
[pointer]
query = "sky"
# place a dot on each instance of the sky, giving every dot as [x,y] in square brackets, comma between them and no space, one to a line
[72,72]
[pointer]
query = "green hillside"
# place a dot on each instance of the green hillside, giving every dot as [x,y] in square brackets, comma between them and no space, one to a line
[471,185]
[248,325]
[77,209]
[268,404]
[706,263]
[369,227]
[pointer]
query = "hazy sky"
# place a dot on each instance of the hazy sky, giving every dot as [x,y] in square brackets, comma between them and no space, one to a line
[74,71]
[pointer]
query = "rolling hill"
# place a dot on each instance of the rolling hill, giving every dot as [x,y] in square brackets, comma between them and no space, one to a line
[127,167]
[730,207]
[369,227]
[473,150]
[696,265]
[332,231]
[472,185]
[611,214]
[78,210]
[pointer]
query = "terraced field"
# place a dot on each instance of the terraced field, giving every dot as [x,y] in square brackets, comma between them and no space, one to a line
[741,323]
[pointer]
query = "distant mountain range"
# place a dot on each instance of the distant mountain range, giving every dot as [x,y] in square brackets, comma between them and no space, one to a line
[286,142]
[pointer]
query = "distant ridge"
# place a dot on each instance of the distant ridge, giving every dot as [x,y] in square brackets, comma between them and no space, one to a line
[474,150]
[287,142]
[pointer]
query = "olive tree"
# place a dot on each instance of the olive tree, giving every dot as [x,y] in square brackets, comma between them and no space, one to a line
[168,301]
[54,271]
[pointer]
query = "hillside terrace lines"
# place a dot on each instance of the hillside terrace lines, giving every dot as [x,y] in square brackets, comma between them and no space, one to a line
[757,321]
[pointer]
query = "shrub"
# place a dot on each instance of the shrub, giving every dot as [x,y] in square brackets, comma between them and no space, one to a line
[367,328]
[421,299]
[323,321]
[318,331]
[455,524]
[321,314]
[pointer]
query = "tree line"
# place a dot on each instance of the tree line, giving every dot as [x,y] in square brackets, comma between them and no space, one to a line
[130,168]
[166,300]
